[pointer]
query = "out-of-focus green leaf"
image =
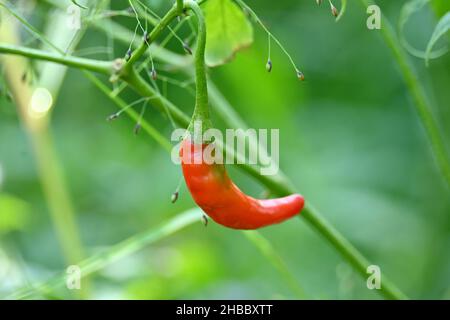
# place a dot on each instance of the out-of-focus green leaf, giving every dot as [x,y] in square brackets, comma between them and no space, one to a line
[441,28]
[408,9]
[13,213]
[228,31]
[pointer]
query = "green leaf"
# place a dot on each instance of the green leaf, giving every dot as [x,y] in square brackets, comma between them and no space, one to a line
[441,28]
[227,31]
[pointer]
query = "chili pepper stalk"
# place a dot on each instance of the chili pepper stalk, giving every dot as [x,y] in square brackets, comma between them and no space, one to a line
[201,109]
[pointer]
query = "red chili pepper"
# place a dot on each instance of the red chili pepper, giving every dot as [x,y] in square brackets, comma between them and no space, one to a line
[221,199]
[209,184]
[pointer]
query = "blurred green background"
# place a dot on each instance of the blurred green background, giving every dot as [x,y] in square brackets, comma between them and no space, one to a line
[350,140]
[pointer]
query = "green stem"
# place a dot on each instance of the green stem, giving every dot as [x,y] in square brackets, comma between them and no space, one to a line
[201,110]
[104,67]
[146,126]
[140,51]
[180,6]
[135,80]
[421,103]
[124,35]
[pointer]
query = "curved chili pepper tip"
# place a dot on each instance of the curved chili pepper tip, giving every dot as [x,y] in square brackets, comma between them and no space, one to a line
[223,201]
[334,11]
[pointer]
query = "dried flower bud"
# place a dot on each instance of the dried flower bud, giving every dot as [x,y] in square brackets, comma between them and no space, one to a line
[137,128]
[174,197]
[114,116]
[300,75]
[128,55]
[269,65]
[153,74]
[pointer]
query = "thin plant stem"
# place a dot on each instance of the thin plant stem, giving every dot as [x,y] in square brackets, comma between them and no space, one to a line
[104,67]
[146,126]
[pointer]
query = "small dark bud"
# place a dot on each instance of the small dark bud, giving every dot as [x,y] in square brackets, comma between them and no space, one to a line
[112,117]
[24,76]
[128,55]
[174,197]
[153,74]
[300,75]
[146,36]
[334,11]
[269,65]
[187,48]
[137,128]
[205,220]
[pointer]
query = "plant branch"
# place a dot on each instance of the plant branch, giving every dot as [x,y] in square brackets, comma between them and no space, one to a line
[180,6]
[148,39]
[201,110]
[104,67]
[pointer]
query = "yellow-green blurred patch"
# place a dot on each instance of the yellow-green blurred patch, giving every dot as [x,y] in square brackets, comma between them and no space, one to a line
[14,213]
